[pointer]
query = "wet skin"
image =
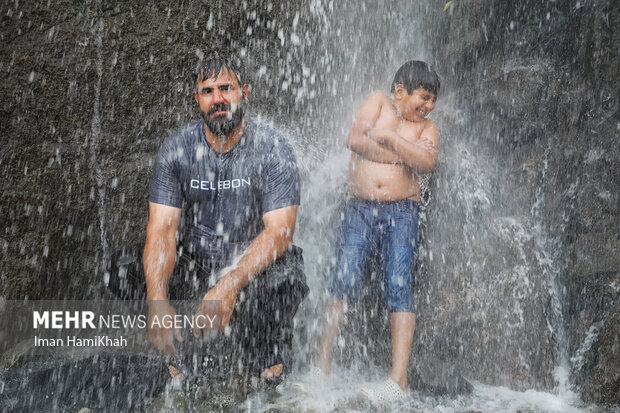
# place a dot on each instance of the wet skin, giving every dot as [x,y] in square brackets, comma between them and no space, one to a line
[392,142]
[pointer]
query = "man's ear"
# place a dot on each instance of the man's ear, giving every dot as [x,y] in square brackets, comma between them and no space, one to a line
[245,89]
[399,91]
[195,95]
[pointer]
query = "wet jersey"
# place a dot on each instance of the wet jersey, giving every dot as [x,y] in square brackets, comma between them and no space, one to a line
[224,195]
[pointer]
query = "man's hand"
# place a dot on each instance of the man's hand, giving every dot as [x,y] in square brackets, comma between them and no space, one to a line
[261,253]
[225,291]
[161,313]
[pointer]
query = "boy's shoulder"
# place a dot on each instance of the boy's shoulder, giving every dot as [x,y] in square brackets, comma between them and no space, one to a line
[429,123]
[379,97]
[376,102]
[429,130]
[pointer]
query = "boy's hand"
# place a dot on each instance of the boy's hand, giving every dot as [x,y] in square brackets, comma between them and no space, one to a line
[380,135]
[426,144]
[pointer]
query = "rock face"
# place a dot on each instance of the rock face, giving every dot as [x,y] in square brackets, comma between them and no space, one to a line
[518,264]
[92,91]
[595,323]
[536,89]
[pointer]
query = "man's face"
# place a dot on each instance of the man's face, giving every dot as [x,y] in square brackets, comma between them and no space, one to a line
[415,106]
[222,102]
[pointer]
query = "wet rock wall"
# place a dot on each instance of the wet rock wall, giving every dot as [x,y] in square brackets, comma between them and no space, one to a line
[537,83]
[90,91]
[518,265]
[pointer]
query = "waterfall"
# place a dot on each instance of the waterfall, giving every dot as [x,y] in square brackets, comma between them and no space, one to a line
[94,144]
[516,281]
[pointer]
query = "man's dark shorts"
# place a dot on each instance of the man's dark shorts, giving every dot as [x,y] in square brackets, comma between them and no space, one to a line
[262,321]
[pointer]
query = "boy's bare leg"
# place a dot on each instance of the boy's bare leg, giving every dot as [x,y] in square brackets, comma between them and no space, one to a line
[332,319]
[403,327]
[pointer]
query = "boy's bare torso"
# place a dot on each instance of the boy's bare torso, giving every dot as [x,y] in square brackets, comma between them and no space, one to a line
[382,181]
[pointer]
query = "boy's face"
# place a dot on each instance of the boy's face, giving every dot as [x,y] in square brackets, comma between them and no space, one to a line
[414,106]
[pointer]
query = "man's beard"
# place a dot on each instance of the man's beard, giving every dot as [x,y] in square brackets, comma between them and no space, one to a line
[221,125]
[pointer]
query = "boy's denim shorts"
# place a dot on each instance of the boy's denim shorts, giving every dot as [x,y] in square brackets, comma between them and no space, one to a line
[390,228]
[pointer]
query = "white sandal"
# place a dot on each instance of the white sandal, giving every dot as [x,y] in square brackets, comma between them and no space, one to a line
[384,392]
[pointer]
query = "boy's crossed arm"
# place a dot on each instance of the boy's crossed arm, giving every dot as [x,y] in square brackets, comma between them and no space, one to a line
[387,146]
[420,155]
[358,140]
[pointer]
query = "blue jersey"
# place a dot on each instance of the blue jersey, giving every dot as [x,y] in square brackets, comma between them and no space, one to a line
[224,195]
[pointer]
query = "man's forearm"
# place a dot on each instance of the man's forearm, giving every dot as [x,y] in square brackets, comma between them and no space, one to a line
[260,254]
[158,260]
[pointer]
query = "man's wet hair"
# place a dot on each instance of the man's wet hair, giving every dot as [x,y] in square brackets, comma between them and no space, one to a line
[416,74]
[213,64]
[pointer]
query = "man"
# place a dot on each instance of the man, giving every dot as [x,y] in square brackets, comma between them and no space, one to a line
[236,183]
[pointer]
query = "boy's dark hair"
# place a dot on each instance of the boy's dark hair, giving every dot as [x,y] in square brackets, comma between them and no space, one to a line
[415,74]
[213,64]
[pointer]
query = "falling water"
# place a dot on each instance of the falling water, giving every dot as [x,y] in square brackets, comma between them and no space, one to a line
[487,270]
[94,144]
[491,278]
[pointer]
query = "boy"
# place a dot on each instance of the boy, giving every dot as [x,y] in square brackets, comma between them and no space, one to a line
[392,142]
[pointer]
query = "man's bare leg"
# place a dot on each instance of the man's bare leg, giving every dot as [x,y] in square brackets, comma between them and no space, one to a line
[403,327]
[332,319]
[273,371]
